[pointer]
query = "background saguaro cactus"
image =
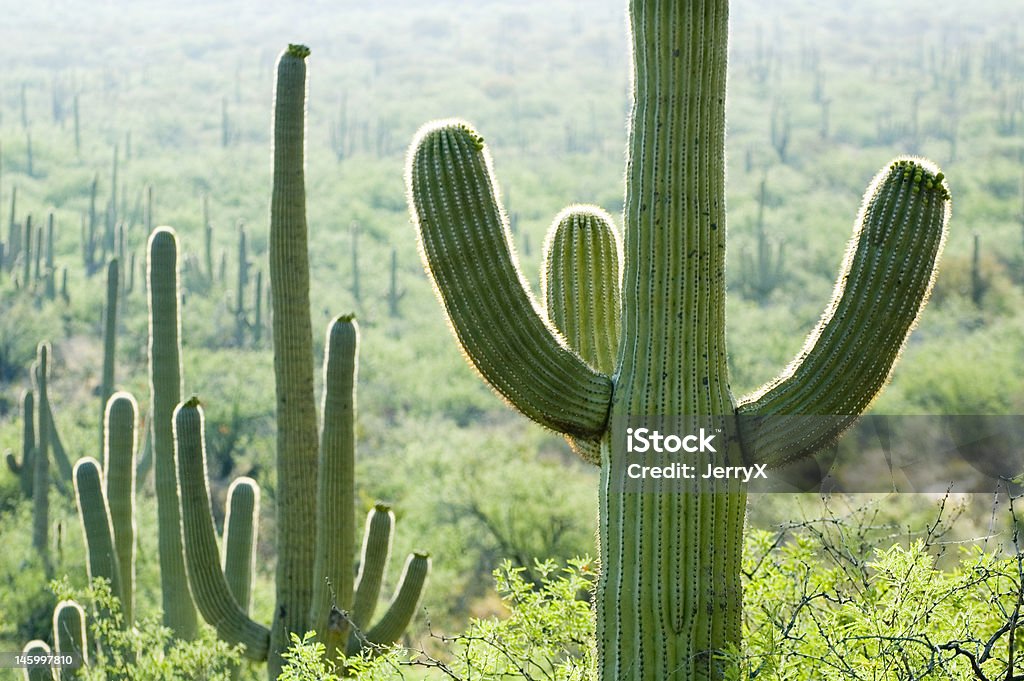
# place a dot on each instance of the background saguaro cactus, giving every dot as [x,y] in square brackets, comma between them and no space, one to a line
[315,490]
[668,600]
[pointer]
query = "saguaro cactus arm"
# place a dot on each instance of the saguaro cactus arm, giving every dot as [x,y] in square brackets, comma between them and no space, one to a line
[581,289]
[335,531]
[95,515]
[241,525]
[403,605]
[209,587]
[465,240]
[119,476]
[165,393]
[69,632]
[884,282]
[380,523]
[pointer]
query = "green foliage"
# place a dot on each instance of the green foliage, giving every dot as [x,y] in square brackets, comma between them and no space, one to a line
[547,634]
[826,600]
[148,651]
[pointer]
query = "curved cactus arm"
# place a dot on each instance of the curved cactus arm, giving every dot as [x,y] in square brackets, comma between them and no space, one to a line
[581,289]
[465,242]
[165,393]
[885,280]
[119,473]
[403,606]
[40,673]
[241,524]
[380,522]
[208,585]
[95,516]
[335,538]
[69,633]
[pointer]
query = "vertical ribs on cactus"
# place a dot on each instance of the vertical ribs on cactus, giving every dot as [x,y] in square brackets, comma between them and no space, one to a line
[165,393]
[315,493]
[105,494]
[219,579]
[69,633]
[668,600]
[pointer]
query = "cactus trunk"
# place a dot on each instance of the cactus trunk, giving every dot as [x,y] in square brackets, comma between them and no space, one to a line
[293,358]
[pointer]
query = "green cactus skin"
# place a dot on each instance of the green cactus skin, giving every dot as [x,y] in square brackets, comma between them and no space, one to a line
[69,635]
[380,522]
[335,532]
[257,305]
[580,287]
[95,517]
[26,470]
[41,460]
[293,356]
[119,474]
[669,596]
[395,294]
[165,393]
[13,233]
[109,341]
[528,364]
[243,282]
[885,279]
[209,586]
[403,606]
[762,272]
[311,486]
[37,256]
[37,647]
[241,525]
[26,263]
[50,274]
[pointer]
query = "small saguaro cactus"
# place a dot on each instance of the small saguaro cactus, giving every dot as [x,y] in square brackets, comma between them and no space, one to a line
[762,272]
[315,491]
[668,601]
[220,580]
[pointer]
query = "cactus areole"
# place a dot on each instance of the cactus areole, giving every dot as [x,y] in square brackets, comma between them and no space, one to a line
[668,601]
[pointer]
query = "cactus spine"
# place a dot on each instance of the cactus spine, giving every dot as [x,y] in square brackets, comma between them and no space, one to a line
[668,599]
[314,569]
[165,393]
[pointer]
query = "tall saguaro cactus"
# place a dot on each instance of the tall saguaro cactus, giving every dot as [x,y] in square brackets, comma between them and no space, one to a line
[668,600]
[315,493]
[165,393]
